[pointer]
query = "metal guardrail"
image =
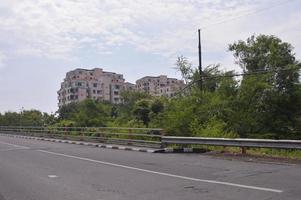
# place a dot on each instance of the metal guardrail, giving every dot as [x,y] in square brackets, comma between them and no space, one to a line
[239,142]
[118,135]
[260,143]
[144,137]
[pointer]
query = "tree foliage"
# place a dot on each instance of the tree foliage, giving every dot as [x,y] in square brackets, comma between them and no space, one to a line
[269,101]
[263,103]
[27,118]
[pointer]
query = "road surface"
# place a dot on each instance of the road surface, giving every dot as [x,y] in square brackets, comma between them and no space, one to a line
[41,170]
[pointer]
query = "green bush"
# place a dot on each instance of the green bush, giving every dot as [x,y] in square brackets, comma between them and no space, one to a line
[213,128]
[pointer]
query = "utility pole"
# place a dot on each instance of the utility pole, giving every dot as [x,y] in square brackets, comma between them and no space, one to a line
[20,119]
[200,62]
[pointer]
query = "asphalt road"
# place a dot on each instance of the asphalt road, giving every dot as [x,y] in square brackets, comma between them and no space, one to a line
[40,170]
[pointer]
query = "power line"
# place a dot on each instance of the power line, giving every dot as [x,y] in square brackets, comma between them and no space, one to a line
[240,16]
[204,77]
[225,21]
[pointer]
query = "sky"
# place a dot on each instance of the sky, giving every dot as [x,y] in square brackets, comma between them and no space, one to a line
[41,40]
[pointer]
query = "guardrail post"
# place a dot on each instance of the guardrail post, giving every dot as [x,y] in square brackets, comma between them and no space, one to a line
[81,133]
[243,150]
[163,144]
[130,136]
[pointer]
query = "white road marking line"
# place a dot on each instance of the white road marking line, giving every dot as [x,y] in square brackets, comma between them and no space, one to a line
[11,149]
[52,176]
[165,174]
[14,145]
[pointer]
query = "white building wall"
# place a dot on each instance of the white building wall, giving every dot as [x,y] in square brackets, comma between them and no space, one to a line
[159,85]
[96,84]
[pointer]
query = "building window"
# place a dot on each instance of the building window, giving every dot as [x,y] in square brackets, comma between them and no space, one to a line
[116,93]
[117,86]
[94,84]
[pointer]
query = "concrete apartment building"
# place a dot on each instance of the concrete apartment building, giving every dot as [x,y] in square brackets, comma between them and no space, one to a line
[159,85]
[97,84]
[80,84]
[129,86]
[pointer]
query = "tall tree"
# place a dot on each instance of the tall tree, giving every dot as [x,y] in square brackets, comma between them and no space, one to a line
[270,99]
[142,110]
[185,67]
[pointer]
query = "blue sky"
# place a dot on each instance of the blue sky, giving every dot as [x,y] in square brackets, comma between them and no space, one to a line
[40,40]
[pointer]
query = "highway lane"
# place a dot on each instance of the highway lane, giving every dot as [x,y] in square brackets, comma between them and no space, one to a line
[31,169]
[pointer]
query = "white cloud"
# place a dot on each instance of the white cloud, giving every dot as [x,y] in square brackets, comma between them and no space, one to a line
[55,28]
[2,59]
[36,33]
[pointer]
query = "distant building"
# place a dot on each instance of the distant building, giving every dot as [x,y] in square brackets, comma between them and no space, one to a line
[129,86]
[81,84]
[159,85]
[96,84]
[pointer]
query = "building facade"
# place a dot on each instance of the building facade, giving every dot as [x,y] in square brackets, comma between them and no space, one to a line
[96,84]
[81,84]
[159,85]
[129,86]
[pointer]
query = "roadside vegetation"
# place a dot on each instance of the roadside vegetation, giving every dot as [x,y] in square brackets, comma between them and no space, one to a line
[264,102]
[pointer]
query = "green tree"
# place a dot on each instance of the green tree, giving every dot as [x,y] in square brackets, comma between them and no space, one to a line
[49,119]
[157,106]
[178,115]
[11,119]
[125,109]
[142,110]
[67,111]
[185,67]
[268,102]
[92,113]
[131,97]
[31,118]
